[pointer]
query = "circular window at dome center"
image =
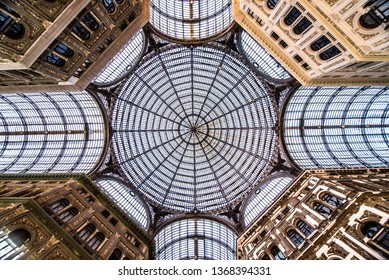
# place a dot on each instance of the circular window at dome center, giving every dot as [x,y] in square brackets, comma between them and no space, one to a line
[193,128]
[190,21]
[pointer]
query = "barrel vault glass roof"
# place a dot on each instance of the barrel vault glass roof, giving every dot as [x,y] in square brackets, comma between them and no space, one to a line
[195,130]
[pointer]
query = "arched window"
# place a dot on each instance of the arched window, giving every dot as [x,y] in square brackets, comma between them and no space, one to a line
[320,43]
[90,21]
[378,14]
[86,231]
[277,254]
[59,205]
[108,5]
[331,199]
[8,25]
[304,228]
[380,236]
[302,25]
[64,50]
[96,240]
[68,214]
[272,3]
[370,229]
[323,210]
[116,254]
[80,31]
[296,238]
[292,16]
[329,53]
[11,244]
[54,59]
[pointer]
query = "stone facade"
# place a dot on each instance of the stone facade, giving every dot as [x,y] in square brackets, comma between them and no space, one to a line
[325,214]
[63,216]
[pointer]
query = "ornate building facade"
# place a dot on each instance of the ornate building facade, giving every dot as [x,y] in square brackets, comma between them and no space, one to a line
[62,217]
[190,119]
[328,214]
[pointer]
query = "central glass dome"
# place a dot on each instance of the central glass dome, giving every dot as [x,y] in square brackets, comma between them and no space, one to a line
[193,128]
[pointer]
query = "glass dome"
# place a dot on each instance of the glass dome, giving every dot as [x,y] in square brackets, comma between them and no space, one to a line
[189,21]
[195,238]
[193,128]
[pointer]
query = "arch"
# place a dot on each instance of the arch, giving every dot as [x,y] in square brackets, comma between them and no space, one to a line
[55,60]
[378,14]
[10,244]
[125,60]
[271,4]
[329,53]
[263,196]
[194,21]
[337,127]
[305,228]
[277,254]
[322,209]
[292,16]
[59,205]
[295,237]
[331,199]
[127,199]
[261,60]
[90,21]
[81,32]
[9,25]
[302,25]
[320,43]
[86,231]
[370,229]
[96,240]
[108,5]
[58,132]
[195,238]
[68,214]
[116,254]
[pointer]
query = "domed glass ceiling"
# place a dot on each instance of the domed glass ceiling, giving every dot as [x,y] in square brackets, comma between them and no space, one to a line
[190,20]
[193,128]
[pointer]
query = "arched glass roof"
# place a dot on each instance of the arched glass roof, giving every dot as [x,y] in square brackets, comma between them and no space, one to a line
[264,196]
[260,58]
[335,127]
[56,132]
[126,199]
[193,128]
[190,20]
[124,60]
[195,238]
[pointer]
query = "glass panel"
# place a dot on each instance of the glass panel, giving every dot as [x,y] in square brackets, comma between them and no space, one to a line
[292,16]
[323,210]
[263,197]
[124,61]
[56,132]
[277,254]
[211,239]
[190,20]
[126,199]
[260,58]
[304,228]
[337,127]
[295,237]
[193,128]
